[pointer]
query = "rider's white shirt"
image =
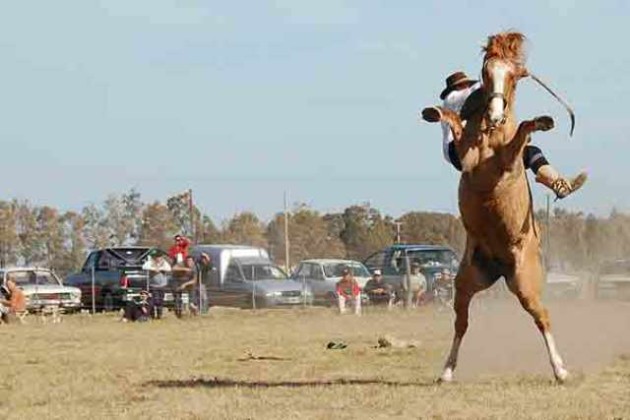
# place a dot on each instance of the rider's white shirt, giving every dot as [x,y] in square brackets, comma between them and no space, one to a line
[454,101]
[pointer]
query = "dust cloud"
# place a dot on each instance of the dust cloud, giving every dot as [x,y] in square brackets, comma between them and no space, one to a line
[503,338]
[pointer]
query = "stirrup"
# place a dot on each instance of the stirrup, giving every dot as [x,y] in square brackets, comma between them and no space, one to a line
[564,187]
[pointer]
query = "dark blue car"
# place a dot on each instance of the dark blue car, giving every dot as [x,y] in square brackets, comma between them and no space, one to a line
[433,261]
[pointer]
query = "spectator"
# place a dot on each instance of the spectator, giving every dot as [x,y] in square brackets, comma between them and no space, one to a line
[207,276]
[179,251]
[185,279]
[417,284]
[378,291]
[348,290]
[138,309]
[159,270]
[12,301]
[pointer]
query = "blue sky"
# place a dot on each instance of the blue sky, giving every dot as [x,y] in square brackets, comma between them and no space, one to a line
[244,100]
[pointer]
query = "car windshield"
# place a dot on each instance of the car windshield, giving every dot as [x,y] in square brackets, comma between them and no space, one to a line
[113,258]
[22,278]
[262,272]
[433,258]
[616,267]
[335,269]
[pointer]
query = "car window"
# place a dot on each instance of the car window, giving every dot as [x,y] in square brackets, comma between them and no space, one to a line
[43,277]
[233,274]
[262,272]
[433,258]
[304,271]
[335,269]
[31,277]
[91,261]
[375,261]
[316,272]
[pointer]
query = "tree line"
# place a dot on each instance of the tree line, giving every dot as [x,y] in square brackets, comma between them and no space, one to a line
[46,236]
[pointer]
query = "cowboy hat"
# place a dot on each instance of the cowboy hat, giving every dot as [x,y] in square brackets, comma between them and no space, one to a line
[456,79]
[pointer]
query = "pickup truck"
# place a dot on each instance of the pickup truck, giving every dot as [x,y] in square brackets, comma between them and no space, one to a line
[118,277]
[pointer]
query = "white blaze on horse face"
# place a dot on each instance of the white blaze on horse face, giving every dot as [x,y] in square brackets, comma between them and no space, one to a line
[498,74]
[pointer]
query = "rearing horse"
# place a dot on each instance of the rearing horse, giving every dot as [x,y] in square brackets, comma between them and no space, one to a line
[494,197]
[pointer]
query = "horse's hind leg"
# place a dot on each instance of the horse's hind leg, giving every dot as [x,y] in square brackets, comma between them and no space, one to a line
[469,280]
[526,285]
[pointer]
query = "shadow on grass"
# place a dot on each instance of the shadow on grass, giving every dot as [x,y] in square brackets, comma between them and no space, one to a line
[231,383]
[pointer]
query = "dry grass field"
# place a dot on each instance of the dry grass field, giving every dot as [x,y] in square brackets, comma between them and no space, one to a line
[273,364]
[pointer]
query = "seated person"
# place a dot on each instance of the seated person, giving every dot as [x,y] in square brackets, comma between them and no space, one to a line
[417,284]
[348,290]
[378,291]
[12,301]
[138,309]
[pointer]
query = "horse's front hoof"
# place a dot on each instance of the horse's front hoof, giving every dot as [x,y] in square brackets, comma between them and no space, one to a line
[431,114]
[562,375]
[544,123]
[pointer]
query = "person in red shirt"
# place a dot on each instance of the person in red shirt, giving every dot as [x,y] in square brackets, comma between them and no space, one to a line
[348,290]
[12,301]
[179,251]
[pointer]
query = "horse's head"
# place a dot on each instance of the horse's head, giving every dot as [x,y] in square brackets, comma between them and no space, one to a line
[503,67]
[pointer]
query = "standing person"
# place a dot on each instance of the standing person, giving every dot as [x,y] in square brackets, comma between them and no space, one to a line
[348,290]
[206,276]
[464,97]
[378,291]
[159,270]
[185,280]
[12,301]
[179,251]
[417,284]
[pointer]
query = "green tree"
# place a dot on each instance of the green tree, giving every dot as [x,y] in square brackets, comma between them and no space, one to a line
[9,242]
[158,226]
[51,236]
[244,229]
[28,234]
[309,237]
[75,247]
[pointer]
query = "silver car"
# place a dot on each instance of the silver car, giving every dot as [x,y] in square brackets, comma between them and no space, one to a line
[321,277]
[42,288]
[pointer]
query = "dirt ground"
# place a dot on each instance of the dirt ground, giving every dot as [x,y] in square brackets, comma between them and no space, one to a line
[234,364]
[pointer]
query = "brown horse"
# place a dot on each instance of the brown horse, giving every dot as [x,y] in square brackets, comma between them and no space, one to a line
[494,197]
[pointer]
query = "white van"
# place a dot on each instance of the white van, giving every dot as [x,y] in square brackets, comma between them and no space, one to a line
[245,277]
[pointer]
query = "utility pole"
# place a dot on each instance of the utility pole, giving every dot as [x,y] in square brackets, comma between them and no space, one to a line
[398,225]
[191,212]
[286,234]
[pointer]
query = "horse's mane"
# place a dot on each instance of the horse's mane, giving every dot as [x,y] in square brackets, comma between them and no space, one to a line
[506,46]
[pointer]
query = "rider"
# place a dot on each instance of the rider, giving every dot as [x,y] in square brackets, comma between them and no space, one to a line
[458,89]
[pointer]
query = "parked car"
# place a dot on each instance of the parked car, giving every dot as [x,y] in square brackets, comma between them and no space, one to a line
[118,276]
[562,285]
[322,275]
[613,280]
[245,277]
[42,288]
[393,260]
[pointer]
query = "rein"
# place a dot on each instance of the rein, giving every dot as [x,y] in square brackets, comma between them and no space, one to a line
[562,101]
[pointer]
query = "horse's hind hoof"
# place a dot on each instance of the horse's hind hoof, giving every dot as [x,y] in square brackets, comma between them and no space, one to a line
[544,123]
[431,114]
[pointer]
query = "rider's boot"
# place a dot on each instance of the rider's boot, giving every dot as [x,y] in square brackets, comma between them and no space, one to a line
[561,186]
